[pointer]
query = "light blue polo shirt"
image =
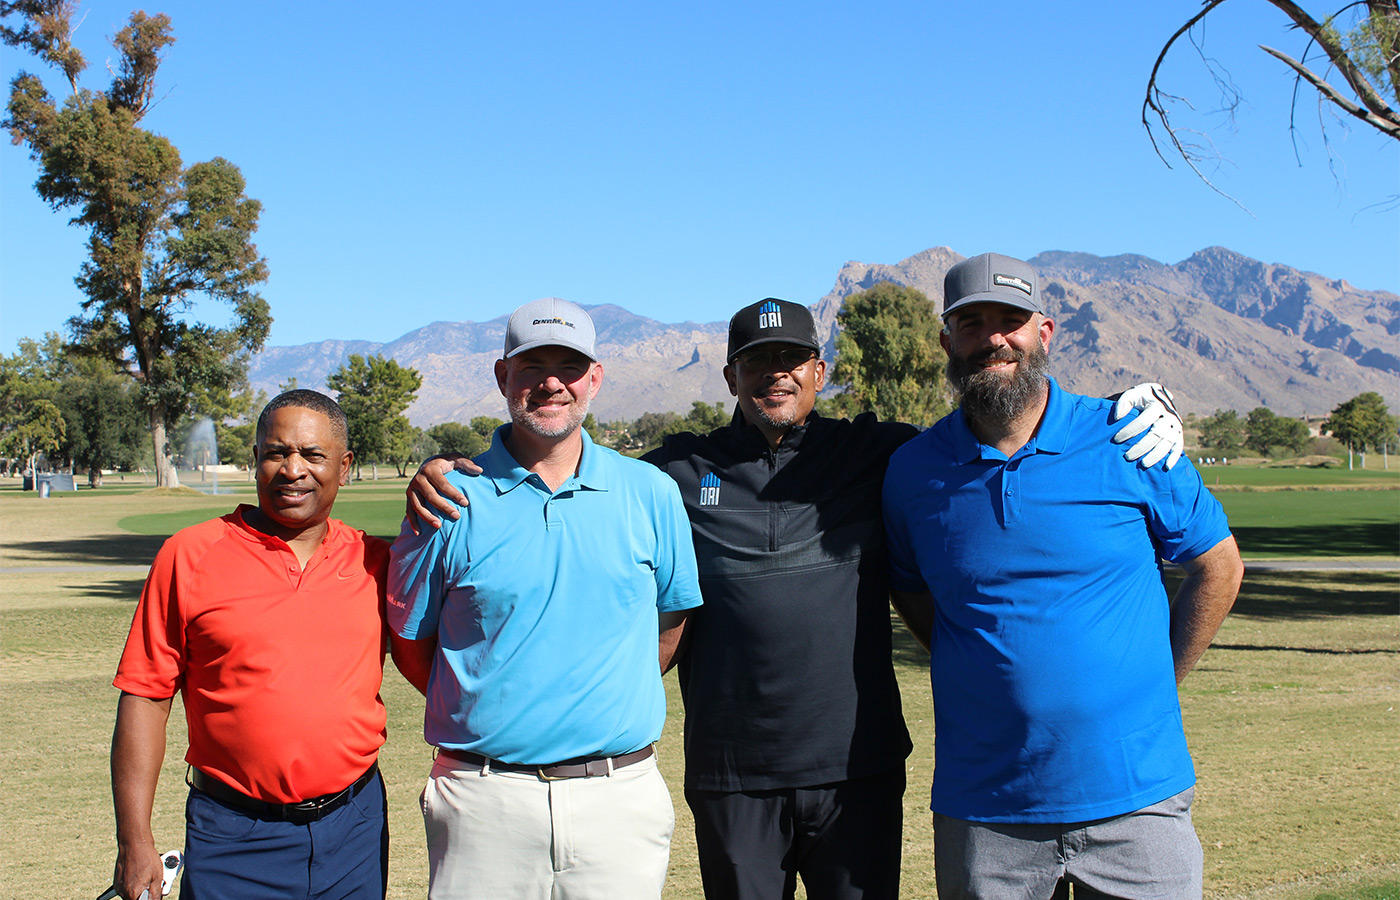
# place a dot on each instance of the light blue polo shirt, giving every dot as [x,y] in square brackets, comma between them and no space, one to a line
[545,606]
[1054,689]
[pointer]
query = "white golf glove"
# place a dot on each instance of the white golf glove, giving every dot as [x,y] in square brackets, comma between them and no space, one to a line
[1158,417]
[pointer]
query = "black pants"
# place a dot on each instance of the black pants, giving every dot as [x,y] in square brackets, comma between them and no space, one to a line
[843,839]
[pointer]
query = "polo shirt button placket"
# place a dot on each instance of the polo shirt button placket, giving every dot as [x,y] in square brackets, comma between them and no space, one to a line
[1010,507]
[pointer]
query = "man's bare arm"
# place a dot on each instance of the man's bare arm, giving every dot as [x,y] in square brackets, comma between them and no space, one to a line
[414,659]
[917,612]
[672,629]
[1202,602]
[430,490]
[138,749]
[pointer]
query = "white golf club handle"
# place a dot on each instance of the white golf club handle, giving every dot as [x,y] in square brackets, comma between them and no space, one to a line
[172,862]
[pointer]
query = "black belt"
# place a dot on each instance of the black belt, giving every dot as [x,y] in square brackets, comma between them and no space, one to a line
[583,767]
[312,810]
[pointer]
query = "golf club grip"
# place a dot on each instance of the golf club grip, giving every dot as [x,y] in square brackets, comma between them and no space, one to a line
[112,894]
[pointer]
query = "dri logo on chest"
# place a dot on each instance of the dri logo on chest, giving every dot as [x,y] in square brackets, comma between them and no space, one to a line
[709,490]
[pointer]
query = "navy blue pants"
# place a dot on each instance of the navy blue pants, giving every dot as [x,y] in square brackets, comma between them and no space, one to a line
[231,854]
[843,840]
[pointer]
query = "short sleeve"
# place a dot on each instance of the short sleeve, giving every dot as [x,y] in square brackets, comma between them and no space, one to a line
[1185,518]
[153,661]
[417,578]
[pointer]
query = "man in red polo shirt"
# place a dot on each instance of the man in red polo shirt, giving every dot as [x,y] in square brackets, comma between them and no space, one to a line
[269,622]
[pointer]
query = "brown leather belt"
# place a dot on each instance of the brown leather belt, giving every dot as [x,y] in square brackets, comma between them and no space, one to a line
[583,767]
[302,813]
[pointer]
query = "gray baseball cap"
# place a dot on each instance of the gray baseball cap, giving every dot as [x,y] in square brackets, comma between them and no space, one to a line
[992,278]
[550,322]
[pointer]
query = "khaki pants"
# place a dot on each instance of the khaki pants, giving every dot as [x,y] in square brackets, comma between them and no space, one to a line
[495,835]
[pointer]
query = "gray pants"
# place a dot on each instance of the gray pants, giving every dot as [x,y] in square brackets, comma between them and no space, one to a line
[1151,854]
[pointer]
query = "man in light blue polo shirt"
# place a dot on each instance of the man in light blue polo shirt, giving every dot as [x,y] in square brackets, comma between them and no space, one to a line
[540,623]
[1059,756]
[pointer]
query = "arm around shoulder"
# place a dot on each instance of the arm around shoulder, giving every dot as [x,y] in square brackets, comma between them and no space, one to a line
[1203,601]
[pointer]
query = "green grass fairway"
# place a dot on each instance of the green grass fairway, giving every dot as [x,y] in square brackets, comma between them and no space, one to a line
[1314,523]
[1291,715]
[1336,477]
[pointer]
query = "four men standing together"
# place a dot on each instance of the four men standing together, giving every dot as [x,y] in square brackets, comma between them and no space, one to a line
[531,616]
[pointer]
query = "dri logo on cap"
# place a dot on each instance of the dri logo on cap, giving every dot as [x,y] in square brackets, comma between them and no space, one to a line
[769,316]
[1012,281]
[709,488]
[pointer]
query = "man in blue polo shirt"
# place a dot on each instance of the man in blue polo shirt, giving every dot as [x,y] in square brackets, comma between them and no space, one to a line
[540,623]
[1059,756]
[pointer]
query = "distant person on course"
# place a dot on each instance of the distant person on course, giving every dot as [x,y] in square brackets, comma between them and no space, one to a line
[794,739]
[539,625]
[1059,752]
[269,622]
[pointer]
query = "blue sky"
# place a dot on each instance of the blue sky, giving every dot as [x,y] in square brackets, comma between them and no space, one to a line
[449,161]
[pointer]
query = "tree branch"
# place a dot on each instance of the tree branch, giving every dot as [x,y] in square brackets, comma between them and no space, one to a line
[1389,126]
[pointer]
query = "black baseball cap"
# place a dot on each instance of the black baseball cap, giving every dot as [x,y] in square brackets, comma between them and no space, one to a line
[772,320]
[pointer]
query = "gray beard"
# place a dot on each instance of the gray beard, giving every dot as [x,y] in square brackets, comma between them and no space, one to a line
[520,416]
[989,397]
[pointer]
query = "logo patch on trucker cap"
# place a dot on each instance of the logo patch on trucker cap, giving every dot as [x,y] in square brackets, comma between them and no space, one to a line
[1012,281]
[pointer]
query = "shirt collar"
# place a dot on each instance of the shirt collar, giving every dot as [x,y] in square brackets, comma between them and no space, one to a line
[507,474]
[239,520]
[1050,435]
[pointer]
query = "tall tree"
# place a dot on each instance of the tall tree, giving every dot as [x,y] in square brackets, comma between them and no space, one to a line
[103,415]
[486,426]
[454,437]
[1265,431]
[39,431]
[1360,43]
[706,417]
[374,392]
[1223,432]
[159,235]
[102,419]
[887,356]
[27,376]
[1363,422]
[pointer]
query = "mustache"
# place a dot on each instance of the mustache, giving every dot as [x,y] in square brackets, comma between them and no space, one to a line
[779,385]
[1001,354]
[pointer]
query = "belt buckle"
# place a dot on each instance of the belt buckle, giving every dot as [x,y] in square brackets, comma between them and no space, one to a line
[310,809]
[540,771]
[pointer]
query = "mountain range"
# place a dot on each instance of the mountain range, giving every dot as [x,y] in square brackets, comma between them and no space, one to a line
[1223,331]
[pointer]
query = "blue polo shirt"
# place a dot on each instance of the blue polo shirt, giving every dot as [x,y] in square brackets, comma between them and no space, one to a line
[545,606]
[1054,690]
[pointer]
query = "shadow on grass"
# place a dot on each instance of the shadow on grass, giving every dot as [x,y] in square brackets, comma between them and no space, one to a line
[1323,650]
[93,550]
[1306,595]
[128,590]
[1272,595]
[1350,539]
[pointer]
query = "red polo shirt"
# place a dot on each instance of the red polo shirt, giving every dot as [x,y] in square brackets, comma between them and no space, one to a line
[278,666]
